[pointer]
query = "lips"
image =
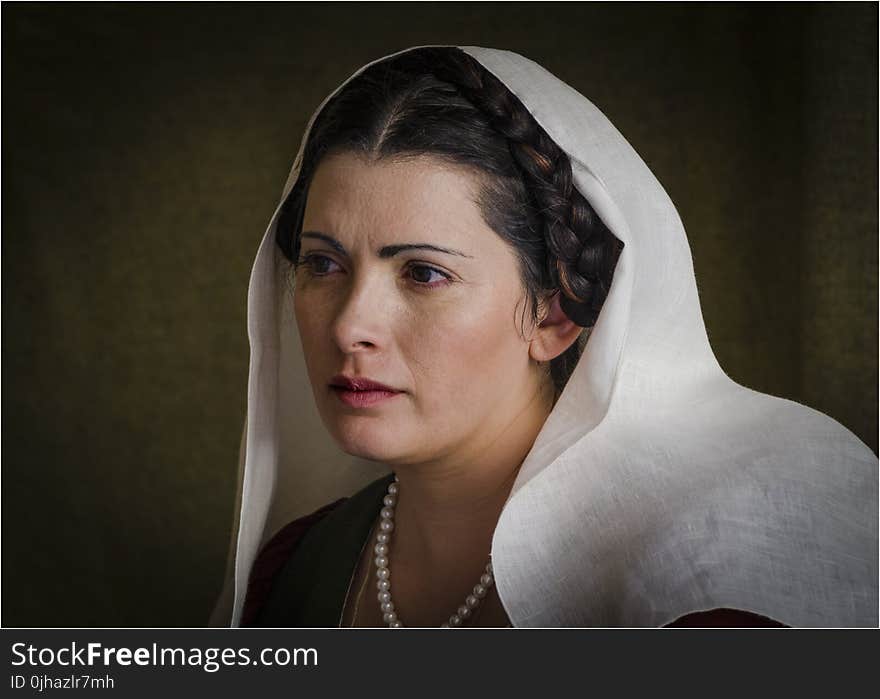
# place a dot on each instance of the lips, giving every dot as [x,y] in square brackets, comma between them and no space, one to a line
[359,383]
[361,392]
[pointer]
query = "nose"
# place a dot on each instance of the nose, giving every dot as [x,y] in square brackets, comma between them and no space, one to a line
[361,324]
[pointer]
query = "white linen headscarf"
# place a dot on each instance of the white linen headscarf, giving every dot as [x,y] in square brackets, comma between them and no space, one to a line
[657,486]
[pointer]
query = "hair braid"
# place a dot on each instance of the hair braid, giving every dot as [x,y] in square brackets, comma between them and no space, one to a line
[579,263]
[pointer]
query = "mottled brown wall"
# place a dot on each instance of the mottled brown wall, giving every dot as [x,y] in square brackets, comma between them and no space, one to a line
[144,147]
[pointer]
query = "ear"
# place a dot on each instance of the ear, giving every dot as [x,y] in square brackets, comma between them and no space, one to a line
[555,333]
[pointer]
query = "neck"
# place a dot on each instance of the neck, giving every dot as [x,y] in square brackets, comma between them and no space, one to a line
[447,509]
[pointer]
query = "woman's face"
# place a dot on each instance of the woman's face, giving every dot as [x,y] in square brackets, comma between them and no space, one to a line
[399,280]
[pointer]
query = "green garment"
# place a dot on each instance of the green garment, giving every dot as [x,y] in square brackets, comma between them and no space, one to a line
[311,588]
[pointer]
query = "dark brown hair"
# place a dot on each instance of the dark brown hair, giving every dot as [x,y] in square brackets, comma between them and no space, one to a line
[441,102]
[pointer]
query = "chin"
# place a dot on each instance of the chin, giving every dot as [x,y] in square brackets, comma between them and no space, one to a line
[374,442]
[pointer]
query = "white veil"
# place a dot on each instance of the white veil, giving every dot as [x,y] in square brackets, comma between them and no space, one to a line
[657,487]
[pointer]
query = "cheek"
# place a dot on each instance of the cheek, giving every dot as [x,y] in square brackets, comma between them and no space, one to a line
[468,355]
[311,320]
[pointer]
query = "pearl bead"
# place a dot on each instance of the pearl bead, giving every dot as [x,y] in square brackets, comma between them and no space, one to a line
[383,573]
[489,569]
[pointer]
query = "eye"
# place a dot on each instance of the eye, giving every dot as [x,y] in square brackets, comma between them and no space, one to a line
[319,265]
[423,275]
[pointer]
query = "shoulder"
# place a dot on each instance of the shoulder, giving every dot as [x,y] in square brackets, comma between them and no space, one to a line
[340,515]
[724,618]
[273,556]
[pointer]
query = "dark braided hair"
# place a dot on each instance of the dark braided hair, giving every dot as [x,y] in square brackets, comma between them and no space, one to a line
[441,102]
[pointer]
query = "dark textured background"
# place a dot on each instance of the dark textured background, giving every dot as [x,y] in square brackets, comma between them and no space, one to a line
[144,148]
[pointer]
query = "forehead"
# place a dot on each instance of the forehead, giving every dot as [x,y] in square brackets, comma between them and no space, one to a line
[387,200]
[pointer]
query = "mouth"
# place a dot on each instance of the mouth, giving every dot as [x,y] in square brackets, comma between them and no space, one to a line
[361,392]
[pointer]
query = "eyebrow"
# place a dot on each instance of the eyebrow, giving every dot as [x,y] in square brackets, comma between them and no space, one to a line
[385,252]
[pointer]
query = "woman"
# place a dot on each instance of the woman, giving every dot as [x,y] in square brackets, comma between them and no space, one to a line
[454,220]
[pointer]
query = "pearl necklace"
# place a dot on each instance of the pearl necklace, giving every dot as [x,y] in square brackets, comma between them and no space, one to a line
[383,573]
